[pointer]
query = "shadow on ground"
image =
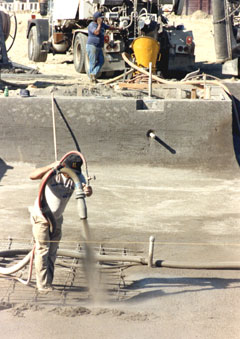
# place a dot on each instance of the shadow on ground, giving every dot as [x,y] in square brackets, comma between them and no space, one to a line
[3,168]
[150,288]
[213,69]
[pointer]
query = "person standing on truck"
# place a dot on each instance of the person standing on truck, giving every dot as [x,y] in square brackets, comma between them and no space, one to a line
[47,227]
[95,43]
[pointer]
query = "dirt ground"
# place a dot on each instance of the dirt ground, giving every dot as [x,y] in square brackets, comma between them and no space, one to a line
[193,215]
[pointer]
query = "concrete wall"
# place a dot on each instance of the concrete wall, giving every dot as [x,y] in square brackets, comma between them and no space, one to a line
[198,132]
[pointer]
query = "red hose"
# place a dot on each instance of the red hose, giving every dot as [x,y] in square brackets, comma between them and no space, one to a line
[80,155]
[41,189]
[52,171]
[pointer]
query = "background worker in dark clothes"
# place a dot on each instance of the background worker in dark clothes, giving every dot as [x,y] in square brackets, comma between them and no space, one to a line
[95,43]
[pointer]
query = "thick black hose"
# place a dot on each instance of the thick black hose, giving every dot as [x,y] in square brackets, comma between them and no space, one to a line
[67,124]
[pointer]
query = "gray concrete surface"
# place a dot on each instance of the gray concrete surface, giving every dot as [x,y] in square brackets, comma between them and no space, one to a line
[194,215]
[130,203]
[188,200]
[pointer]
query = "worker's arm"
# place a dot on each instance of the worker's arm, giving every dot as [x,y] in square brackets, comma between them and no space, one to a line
[38,173]
[86,188]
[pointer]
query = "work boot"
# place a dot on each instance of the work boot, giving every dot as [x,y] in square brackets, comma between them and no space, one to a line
[45,289]
[93,79]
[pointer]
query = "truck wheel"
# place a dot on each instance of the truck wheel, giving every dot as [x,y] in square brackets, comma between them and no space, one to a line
[34,49]
[79,52]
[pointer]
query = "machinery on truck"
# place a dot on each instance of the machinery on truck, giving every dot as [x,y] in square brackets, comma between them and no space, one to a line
[62,28]
[226,22]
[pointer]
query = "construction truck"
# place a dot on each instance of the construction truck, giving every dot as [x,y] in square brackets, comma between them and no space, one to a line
[62,28]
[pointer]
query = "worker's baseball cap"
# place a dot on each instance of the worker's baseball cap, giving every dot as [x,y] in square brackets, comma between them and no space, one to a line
[97,15]
[74,162]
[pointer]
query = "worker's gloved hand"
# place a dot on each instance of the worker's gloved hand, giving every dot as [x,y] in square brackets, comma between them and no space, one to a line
[87,190]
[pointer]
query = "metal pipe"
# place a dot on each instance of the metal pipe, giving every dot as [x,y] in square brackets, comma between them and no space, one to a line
[150,80]
[150,253]
[104,257]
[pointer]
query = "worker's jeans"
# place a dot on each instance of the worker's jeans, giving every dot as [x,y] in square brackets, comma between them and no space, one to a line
[46,248]
[96,59]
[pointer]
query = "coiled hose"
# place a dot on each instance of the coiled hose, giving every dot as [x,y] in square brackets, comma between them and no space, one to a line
[78,185]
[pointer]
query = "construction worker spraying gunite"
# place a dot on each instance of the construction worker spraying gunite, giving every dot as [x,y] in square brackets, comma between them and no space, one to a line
[47,213]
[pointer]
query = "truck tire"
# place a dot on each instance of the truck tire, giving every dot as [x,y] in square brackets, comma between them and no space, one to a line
[34,49]
[79,52]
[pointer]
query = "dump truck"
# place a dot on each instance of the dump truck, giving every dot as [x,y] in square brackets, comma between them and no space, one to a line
[62,28]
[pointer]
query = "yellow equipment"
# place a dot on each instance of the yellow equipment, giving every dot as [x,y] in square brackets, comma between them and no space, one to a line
[146,50]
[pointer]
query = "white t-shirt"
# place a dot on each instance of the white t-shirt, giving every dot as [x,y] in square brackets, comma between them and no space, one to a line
[58,191]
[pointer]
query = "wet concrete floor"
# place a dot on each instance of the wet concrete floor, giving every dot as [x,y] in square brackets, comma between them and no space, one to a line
[194,216]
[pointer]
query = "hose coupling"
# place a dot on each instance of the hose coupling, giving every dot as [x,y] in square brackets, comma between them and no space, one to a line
[79,193]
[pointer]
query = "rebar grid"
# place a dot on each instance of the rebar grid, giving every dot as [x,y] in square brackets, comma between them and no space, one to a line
[70,283]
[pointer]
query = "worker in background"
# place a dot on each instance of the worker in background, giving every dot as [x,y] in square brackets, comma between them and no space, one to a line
[47,228]
[95,44]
